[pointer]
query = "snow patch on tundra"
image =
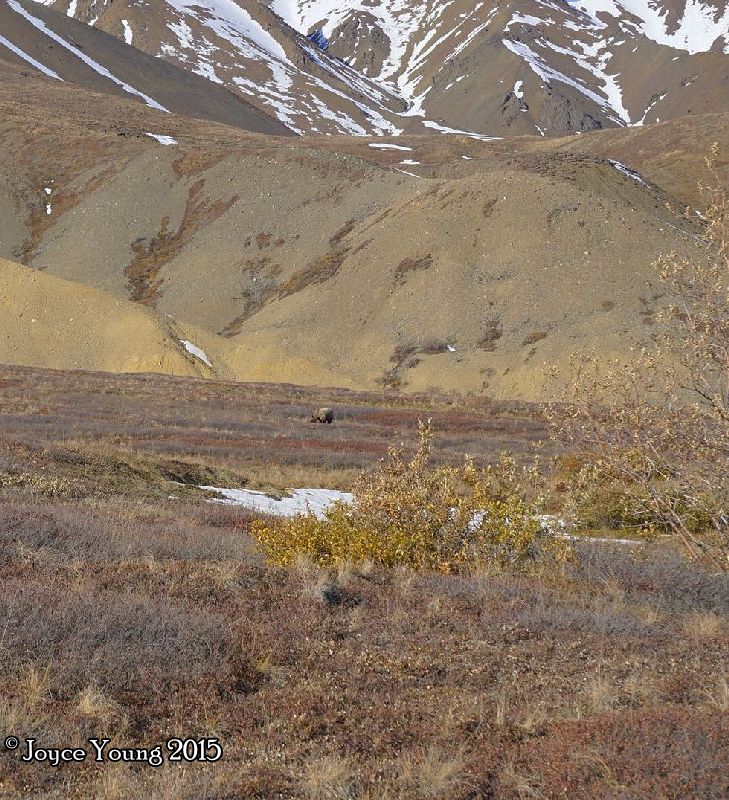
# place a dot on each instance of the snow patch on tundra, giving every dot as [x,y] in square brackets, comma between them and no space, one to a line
[318,501]
[299,501]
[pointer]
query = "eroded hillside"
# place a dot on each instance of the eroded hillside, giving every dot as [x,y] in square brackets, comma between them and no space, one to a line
[413,263]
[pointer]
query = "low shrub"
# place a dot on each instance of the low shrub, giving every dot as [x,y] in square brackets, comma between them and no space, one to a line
[598,501]
[127,642]
[40,485]
[413,514]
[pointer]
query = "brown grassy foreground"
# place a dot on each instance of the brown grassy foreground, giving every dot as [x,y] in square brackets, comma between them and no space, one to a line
[127,615]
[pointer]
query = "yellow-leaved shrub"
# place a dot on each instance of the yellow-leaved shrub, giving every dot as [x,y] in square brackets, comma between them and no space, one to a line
[408,512]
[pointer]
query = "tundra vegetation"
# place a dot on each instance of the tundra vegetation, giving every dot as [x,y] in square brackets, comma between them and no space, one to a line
[435,640]
[647,452]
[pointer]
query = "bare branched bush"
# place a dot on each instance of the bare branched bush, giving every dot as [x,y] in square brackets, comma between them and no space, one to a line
[652,433]
[407,512]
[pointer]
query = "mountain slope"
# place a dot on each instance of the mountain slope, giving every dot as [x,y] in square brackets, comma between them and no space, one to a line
[67,51]
[420,262]
[249,50]
[533,66]
[49,322]
[539,67]
[477,283]
[672,154]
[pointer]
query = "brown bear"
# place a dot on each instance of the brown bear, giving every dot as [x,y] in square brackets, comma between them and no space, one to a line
[323,415]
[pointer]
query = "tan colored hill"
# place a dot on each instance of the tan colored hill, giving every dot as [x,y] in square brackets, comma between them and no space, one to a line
[672,154]
[477,283]
[416,263]
[46,321]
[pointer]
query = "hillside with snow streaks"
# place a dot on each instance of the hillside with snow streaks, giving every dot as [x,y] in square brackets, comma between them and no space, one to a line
[697,30]
[413,31]
[580,64]
[28,59]
[246,48]
[62,48]
[539,67]
[90,62]
[232,23]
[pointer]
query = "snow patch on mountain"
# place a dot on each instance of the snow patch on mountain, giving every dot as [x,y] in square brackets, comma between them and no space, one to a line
[231,22]
[593,58]
[423,39]
[221,41]
[414,32]
[90,62]
[387,146]
[696,31]
[128,34]
[29,59]
[627,171]
[422,50]
[548,73]
[458,132]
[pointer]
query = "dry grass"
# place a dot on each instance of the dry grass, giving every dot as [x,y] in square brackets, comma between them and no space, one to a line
[84,434]
[521,786]
[328,778]
[641,687]
[703,624]
[502,708]
[126,614]
[361,682]
[97,705]
[718,694]
[436,774]
[600,694]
